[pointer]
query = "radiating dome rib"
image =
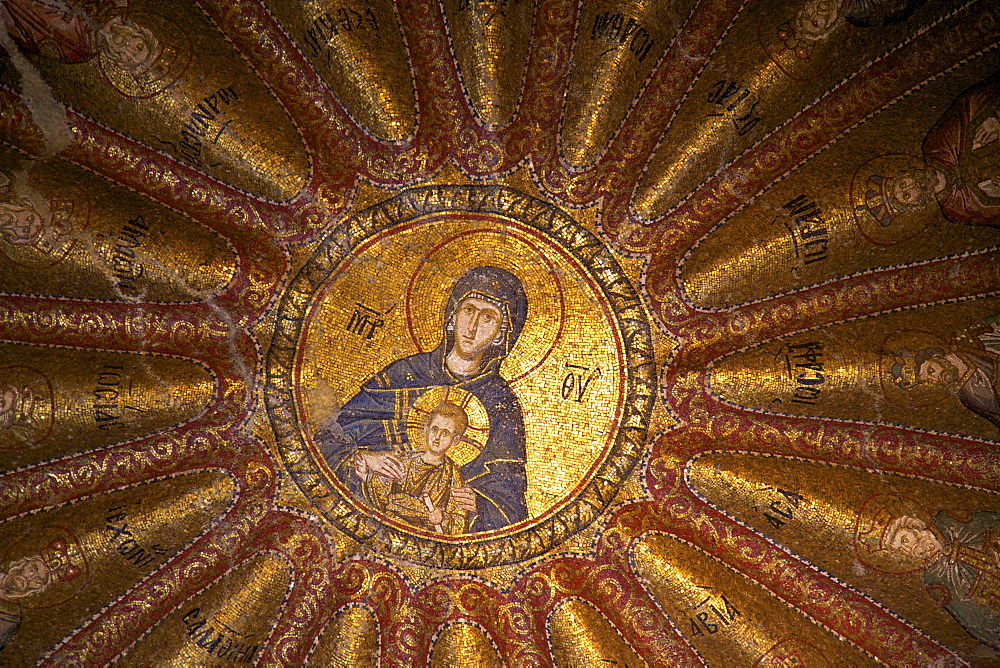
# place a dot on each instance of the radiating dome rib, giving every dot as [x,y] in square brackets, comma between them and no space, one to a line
[578,634]
[727,618]
[491,41]
[184,92]
[813,506]
[838,215]
[774,58]
[617,48]
[60,402]
[737,334]
[463,645]
[871,370]
[95,549]
[351,639]
[360,52]
[230,621]
[101,241]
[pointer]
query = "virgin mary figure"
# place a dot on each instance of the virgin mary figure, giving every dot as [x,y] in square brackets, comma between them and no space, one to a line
[485,314]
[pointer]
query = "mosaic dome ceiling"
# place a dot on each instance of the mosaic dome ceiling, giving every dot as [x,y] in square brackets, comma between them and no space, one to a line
[499,332]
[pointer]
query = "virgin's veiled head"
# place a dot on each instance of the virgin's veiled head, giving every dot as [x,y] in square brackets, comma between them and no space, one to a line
[500,288]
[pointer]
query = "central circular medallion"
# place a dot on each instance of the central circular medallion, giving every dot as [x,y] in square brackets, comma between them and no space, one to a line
[461,376]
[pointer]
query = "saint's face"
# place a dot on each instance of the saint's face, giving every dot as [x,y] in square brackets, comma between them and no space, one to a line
[19,225]
[938,370]
[907,191]
[915,542]
[8,405]
[441,434]
[816,21]
[24,578]
[134,53]
[128,47]
[477,323]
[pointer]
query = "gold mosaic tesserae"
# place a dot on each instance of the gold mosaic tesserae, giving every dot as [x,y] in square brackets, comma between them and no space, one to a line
[500,332]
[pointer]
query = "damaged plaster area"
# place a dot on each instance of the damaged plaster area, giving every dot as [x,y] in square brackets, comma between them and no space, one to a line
[49,115]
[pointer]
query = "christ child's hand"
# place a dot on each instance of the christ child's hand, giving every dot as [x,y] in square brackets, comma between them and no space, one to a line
[435,516]
[360,466]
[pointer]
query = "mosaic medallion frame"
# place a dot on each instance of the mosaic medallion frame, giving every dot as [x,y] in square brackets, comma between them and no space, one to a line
[468,551]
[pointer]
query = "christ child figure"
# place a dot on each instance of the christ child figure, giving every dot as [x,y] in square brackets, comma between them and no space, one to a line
[418,488]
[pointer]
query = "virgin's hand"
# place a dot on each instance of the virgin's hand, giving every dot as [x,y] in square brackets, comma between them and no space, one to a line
[385,464]
[360,466]
[465,498]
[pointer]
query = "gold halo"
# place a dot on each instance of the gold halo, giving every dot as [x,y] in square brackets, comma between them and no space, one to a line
[431,284]
[920,396]
[782,654]
[476,435]
[166,69]
[39,418]
[66,218]
[33,543]
[874,517]
[906,224]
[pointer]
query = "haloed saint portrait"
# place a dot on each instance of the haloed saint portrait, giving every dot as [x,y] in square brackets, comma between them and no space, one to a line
[460,376]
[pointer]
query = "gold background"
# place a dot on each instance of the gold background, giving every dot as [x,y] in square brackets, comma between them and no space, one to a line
[680,162]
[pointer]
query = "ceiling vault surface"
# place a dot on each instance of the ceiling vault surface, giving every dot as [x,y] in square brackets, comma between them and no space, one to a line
[500,332]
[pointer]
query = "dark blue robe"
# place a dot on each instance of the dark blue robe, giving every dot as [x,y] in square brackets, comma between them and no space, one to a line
[374,419]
